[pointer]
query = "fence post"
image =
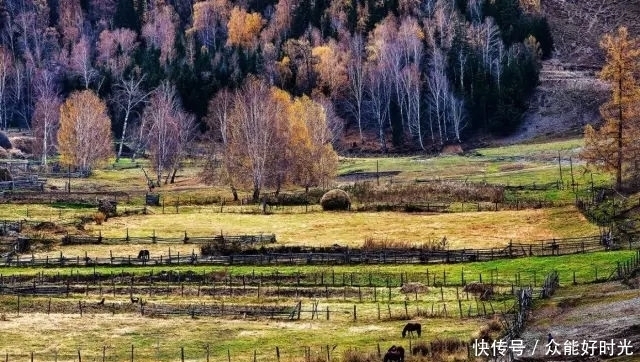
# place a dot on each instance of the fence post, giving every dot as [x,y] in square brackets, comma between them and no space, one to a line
[355,315]
[228,352]
[278,353]
[207,352]
[79,356]
[104,353]
[182,354]
[132,353]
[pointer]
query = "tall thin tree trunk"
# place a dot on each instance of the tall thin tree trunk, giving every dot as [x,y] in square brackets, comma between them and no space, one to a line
[619,160]
[124,130]
[256,192]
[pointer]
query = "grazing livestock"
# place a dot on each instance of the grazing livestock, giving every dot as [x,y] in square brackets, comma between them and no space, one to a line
[412,327]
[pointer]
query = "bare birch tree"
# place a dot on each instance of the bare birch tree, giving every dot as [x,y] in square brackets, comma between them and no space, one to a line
[166,130]
[250,132]
[81,61]
[379,94]
[357,79]
[6,65]
[46,115]
[218,114]
[438,89]
[129,97]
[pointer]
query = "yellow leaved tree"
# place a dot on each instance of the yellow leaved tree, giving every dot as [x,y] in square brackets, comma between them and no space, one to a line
[84,137]
[614,146]
[243,28]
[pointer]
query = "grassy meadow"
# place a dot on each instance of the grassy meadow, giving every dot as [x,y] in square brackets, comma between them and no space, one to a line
[369,287]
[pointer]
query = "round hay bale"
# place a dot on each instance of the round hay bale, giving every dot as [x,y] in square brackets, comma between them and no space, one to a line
[24,143]
[4,141]
[335,200]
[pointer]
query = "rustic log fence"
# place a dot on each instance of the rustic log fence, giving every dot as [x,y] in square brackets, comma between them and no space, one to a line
[269,256]
[627,268]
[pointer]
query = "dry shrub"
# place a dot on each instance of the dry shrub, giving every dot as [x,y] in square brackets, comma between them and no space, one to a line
[511,167]
[4,153]
[494,325]
[485,335]
[372,244]
[382,244]
[447,345]
[452,149]
[23,143]
[3,317]
[335,200]
[485,291]
[99,218]
[17,154]
[414,288]
[420,348]
[423,192]
[353,355]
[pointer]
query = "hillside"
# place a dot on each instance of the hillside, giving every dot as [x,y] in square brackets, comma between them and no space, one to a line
[578,26]
[569,95]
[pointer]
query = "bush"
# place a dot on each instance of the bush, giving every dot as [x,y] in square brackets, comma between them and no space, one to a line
[4,141]
[99,218]
[352,355]
[23,143]
[335,200]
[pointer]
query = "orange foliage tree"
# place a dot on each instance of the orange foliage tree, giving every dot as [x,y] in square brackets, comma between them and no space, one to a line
[614,147]
[84,137]
[273,140]
[243,28]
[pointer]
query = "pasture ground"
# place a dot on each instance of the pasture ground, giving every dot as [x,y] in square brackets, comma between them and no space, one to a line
[160,338]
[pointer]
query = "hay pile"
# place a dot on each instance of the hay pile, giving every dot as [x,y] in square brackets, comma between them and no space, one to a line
[24,143]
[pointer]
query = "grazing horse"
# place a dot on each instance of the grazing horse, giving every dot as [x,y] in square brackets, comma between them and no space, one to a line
[143,254]
[412,327]
[394,354]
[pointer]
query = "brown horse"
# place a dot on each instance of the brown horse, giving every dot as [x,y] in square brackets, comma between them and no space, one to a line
[412,327]
[395,354]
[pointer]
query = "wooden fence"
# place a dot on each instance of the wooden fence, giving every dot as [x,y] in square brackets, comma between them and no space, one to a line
[627,268]
[515,321]
[17,196]
[266,256]
[23,184]
[227,239]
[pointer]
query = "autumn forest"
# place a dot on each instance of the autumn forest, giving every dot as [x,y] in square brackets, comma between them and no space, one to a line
[404,75]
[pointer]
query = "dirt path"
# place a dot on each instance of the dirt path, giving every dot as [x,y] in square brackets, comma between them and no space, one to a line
[597,312]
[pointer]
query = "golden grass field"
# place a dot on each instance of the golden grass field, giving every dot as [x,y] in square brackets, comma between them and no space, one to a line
[157,339]
[462,230]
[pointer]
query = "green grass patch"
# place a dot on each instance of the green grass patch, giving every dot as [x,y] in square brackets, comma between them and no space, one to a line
[531,269]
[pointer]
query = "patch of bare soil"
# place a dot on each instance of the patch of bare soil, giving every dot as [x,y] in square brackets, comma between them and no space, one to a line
[563,104]
[578,25]
[599,312]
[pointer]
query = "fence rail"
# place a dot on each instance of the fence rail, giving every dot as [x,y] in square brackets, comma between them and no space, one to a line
[268,256]
[227,239]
